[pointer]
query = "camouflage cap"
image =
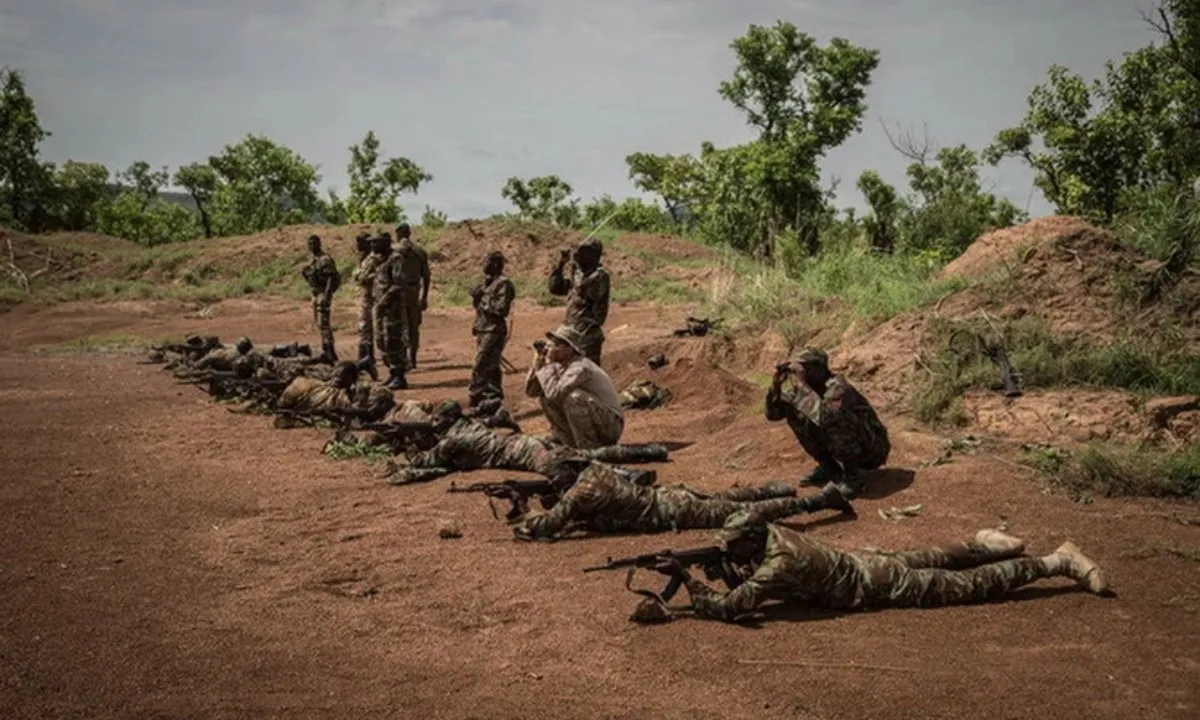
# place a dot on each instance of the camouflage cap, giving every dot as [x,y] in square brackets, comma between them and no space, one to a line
[569,335]
[243,342]
[813,356]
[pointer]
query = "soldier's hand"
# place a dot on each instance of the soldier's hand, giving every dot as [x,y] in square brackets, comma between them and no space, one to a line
[424,304]
[564,257]
[781,374]
[669,565]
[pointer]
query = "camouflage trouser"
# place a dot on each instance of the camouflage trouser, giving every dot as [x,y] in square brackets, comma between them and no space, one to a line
[953,574]
[581,422]
[321,307]
[366,320]
[592,342]
[853,444]
[411,308]
[389,337]
[486,377]
[601,503]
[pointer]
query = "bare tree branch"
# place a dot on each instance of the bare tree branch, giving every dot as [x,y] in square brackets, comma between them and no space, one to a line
[906,143]
[1163,27]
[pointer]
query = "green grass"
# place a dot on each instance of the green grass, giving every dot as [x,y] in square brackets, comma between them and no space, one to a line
[339,450]
[1120,471]
[101,344]
[1043,359]
[655,288]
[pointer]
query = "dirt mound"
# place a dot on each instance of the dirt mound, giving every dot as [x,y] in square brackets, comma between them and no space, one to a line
[58,257]
[1005,246]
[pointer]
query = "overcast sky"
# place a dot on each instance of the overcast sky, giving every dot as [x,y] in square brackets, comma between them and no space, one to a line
[479,90]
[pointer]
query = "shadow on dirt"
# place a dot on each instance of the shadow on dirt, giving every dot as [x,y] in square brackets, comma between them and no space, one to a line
[886,481]
[456,383]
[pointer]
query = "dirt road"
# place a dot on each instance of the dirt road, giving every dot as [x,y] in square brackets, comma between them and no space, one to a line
[165,558]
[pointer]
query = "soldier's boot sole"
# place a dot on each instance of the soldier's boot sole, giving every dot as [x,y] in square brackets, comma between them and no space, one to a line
[831,498]
[1001,545]
[1081,568]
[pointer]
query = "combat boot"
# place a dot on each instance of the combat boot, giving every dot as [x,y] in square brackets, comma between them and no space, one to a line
[410,475]
[502,419]
[822,474]
[366,351]
[1069,561]
[830,498]
[1000,545]
[396,380]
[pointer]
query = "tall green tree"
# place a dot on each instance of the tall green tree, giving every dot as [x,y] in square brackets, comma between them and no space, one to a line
[80,191]
[375,186]
[546,198]
[262,185]
[138,212]
[24,181]
[201,182]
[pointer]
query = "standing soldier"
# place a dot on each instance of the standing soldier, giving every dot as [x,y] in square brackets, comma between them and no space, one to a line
[416,290]
[364,277]
[493,300]
[388,311]
[323,281]
[587,288]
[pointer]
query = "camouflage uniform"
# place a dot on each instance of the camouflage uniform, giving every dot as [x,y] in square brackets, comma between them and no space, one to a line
[318,273]
[644,395]
[228,359]
[413,272]
[364,277]
[390,334]
[493,301]
[587,304]
[799,569]
[309,395]
[838,428]
[471,445]
[600,501]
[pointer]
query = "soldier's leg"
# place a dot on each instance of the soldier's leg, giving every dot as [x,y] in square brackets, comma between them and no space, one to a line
[632,454]
[814,441]
[486,376]
[680,509]
[593,342]
[584,500]
[592,425]
[412,322]
[855,447]
[325,324]
[891,583]
[988,546]
[755,493]
[366,328]
[560,427]
[394,353]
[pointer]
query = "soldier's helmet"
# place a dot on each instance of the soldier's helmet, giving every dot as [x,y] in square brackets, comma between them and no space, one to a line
[193,340]
[212,340]
[748,524]
[243,345]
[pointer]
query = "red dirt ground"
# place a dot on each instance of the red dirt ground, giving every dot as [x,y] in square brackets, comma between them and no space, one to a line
[166,558]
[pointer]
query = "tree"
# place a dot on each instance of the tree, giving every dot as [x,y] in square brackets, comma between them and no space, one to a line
[631,214]
[262,185]
[433,218]
[1093,147]
[201,182]
[137,213]
[671,177]
[886,207]
[24,180]
[374,188]
[543,198]
[143,182]
[80,191]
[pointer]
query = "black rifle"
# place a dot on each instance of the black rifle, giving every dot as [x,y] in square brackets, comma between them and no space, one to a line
[548,491]
[696,327]
[712,559]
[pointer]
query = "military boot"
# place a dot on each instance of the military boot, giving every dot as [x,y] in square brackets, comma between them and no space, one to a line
[829,498]
[328,352]
[822,474]
[1069,561]
[366,351]
[396,380]
[502,419]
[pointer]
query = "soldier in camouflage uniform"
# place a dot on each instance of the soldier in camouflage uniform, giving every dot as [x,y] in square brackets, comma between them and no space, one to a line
[339,397]
[600,501]
[323,281]
[229,359]
[831,420]
[493,300]
[784,565]
[416,279]
[390,334]
[644,395]
[469,444]
[364,277]
[586,286]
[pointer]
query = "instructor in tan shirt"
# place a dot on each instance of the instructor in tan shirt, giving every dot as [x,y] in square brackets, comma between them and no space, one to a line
[577,396]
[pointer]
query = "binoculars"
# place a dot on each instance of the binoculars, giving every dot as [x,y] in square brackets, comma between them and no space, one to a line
[539,345]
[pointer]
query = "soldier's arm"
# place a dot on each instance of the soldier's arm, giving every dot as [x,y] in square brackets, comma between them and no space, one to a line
[499,301]
[776,404]
[765,584]
[533,384]
[560,280]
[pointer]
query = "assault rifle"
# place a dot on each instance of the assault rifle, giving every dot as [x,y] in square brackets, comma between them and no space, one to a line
[696,327]
[548,491]
[713,560]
